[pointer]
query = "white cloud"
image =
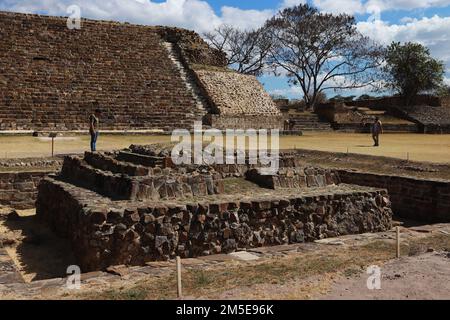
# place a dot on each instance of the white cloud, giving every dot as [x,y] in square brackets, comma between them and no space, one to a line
[370,6]
[191,14]
[432,32]
[447,81]
[291,3]
[290,92]
[385,5]
[245,19]
[340,6]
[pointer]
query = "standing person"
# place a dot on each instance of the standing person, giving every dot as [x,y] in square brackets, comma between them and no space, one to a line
[94,128]
[377,129]
[286,125]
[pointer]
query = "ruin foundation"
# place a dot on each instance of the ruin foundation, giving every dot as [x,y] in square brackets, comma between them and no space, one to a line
[123,212]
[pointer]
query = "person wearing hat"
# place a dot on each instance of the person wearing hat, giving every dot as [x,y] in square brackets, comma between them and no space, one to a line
[94,128]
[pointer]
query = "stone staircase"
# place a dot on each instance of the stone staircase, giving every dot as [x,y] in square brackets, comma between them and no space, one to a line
[308,121]
[192,87]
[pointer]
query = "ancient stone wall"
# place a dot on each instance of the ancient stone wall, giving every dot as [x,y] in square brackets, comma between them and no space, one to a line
[245,122]
[235,94]
[141,77]
[111,181]
[19,189]
[445,101]
[387,127]
[417,199]
[430,119]
[103,235]
[194,49]
[53,77]
[294,177]
[387,102]
[344,118]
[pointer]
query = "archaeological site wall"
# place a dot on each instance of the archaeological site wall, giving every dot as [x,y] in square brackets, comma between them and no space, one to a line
[385,103]
[238,101]
[128,212]
[19,180]
[19,189]
[142,77]
[103,235]
[428,114]
[416,199]
[430,119]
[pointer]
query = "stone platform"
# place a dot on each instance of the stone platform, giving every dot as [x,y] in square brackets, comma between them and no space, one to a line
[122,212]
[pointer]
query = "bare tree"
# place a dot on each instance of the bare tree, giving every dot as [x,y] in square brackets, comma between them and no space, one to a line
[246,50]
[320,51]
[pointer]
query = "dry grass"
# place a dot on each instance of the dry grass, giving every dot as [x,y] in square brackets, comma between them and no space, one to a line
[420,147]
[433,148]
[287,272]
[231,276]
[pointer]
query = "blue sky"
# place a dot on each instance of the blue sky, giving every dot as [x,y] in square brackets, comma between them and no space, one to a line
[424,21]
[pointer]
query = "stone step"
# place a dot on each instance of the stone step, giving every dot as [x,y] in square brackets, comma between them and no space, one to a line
[108,184]
[190,81]
[140,159]
[106,163]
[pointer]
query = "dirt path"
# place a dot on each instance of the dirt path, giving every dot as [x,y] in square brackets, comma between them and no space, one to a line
[326,269]
[406,279]
[420,277]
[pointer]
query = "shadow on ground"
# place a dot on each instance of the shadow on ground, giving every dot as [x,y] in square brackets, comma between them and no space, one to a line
[40,253]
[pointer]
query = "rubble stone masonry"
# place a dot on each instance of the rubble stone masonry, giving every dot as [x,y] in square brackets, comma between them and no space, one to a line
[239,101]
[106,233]
[52,78]
[416,199]
[19,189]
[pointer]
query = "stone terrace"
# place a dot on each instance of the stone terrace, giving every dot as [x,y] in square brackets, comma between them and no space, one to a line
[142,77]
[432,119]
[118,212]
[124,68]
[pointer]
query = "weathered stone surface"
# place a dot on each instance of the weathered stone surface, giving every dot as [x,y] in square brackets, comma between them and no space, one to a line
[236,94]
[417,199]
[297,177]
[104,233]
[19,189]
[138,84]
[140,183]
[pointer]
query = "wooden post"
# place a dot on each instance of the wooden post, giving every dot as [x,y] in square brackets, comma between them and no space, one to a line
[398,242]
[53,146]
[53,136]
[179,289]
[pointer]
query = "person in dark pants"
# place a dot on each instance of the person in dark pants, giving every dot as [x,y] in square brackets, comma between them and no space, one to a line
[94,120]
[377,129]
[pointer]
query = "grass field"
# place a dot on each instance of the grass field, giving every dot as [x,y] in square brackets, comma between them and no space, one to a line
[418,147]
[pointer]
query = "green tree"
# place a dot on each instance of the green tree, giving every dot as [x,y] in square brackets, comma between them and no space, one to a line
[411,70]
